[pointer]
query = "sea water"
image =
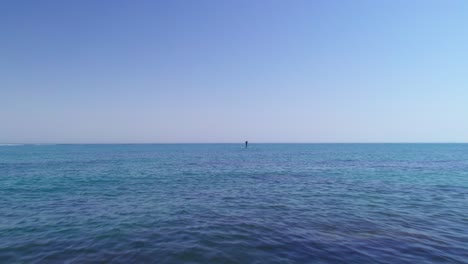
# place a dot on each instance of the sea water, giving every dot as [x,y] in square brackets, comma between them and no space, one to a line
[222,203]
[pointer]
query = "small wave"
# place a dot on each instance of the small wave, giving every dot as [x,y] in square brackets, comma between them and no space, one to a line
[10,145]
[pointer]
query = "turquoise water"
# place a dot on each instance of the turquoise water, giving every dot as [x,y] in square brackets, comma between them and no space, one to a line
[221,203]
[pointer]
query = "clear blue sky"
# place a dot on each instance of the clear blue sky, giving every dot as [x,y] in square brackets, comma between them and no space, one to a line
[227,71]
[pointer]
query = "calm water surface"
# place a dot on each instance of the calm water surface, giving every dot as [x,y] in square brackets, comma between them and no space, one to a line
[220,203]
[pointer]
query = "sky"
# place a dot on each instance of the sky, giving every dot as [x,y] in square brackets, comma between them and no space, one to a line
[181,71]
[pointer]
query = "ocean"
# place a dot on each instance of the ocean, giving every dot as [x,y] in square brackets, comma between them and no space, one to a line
[222,203]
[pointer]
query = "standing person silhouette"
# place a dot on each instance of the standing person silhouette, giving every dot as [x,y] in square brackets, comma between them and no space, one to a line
[246,144]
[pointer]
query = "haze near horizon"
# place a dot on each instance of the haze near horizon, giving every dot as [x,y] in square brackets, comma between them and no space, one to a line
[230,71]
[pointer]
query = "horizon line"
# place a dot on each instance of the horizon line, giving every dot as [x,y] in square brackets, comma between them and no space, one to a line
[240,142]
